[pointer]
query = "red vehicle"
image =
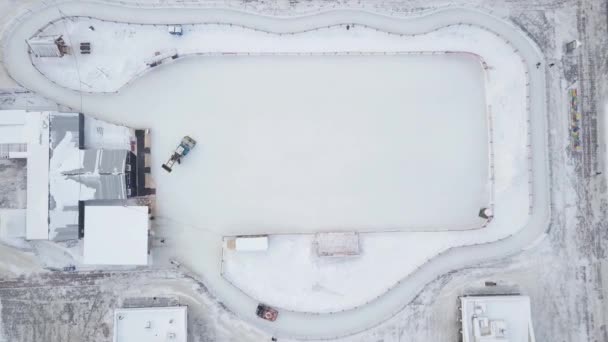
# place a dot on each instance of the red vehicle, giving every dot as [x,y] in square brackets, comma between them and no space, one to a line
[266,312]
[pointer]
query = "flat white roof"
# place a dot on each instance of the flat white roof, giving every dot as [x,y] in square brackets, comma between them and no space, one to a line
[12,127]
[251,243]
[116,235]
[337,243]
[12,117]
[164,324]
[37,213]
[496,319]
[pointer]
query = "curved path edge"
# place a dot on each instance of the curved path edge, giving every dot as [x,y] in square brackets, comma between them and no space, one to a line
[326,326]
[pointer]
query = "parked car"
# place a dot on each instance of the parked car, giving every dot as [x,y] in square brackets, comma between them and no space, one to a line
[266,312]
[70,268]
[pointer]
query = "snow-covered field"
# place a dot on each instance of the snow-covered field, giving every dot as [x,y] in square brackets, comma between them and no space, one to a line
[177,99]
[290,275]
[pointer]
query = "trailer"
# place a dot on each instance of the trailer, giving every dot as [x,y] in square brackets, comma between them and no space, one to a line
[181,151]
[250,243]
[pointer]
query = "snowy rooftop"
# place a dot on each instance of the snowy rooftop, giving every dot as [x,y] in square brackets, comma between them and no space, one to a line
[496,318]
[151,324]
[12,127]
[77,174]
[18,127]
[116,235]
[59,170]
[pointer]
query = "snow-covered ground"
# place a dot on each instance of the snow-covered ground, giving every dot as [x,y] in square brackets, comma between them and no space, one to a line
[290,275]
[200,247]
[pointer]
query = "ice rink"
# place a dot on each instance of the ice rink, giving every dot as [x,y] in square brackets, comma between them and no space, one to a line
[321,143]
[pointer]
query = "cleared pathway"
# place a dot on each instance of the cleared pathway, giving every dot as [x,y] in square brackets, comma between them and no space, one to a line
[295,324]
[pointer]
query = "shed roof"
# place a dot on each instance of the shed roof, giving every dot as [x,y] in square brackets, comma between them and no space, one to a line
[116,235]
[496,318]
[162,324]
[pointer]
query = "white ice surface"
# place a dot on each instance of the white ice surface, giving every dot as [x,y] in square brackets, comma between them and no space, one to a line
[12,127]
[200,249]
[321,146]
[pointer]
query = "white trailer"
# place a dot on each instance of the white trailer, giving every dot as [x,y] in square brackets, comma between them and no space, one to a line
[253,243]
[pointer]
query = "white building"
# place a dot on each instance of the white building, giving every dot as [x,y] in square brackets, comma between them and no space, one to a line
[496,319]
[70,159]
[163,324]
[26,135]
[116,235]
[47,46]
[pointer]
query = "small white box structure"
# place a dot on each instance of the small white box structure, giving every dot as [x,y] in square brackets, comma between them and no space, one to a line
[496,319]
[254,243]
[162,324]
[47,46]
[116,235]
[338,244]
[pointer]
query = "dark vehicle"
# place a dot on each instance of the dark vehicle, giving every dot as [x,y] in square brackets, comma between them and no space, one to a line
[266,312]
[182,150]
[70,268]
